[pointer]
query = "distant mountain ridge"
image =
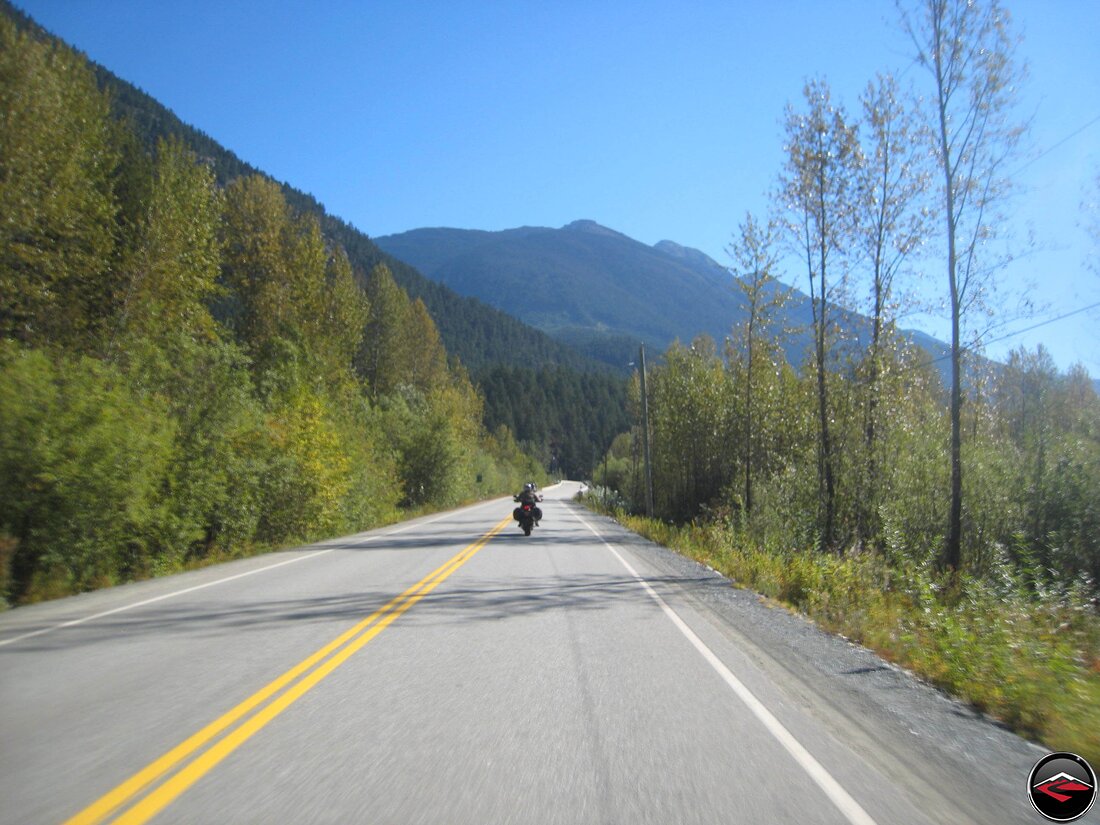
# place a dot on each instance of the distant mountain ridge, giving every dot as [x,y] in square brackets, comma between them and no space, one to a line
[602,291]
[582,279]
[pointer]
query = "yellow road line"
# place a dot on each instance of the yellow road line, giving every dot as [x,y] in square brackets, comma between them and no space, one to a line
[191,773]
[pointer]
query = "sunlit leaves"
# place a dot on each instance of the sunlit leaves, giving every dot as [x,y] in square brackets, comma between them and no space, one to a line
[274,263]
[690,399]
[81,458]
[188,371]
[754,351]
[818,184]
[170,275]
[57,208]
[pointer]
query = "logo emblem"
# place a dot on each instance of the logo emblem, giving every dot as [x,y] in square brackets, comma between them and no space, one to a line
[1062,787]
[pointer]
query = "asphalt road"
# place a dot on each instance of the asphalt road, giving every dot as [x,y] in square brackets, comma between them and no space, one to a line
[450,670]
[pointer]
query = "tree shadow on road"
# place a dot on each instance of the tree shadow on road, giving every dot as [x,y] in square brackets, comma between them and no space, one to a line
[479,599]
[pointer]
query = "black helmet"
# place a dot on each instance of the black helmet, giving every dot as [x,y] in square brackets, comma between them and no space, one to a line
[529,487]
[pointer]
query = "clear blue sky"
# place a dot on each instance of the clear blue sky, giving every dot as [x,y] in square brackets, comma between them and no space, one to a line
[660,120]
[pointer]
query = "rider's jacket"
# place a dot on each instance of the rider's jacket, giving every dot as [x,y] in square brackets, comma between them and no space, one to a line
[527,497]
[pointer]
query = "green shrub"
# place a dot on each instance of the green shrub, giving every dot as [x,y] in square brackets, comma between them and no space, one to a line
[209,497]
[81,459]
[307,474]
[7,551]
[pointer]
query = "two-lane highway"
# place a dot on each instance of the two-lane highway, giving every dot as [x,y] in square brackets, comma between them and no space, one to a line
[450,670]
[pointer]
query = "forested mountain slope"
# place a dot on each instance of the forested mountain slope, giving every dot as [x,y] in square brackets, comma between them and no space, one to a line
[476,333]
[480,336]
[191,369]
[580,277]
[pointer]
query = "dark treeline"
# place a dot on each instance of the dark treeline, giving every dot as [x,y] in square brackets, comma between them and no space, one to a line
[617,351]
[190,368]
[566,418]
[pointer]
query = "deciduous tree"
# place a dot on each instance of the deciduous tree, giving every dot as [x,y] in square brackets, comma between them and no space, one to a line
[890,226]
[171,275]
[818,185]
[57,233]
[967,49]
[755,342]
[275,266]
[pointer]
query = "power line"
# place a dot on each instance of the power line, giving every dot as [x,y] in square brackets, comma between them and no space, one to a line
[922,365]
[1050,149]
[1077,311]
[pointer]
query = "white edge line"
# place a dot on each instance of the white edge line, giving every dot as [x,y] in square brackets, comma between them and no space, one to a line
[315,554]
[824,780]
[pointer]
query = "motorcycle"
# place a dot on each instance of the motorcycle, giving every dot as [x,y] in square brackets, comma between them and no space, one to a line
[527,514]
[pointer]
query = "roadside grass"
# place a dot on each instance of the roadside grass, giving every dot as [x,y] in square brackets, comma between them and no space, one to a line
[1032,664]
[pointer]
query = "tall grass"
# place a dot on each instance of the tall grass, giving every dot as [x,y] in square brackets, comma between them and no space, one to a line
[1030,660]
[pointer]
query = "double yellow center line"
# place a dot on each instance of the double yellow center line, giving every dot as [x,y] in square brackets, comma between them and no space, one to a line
[316,667]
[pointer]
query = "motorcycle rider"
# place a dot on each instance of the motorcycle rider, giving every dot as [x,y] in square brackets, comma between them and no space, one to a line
[529,496]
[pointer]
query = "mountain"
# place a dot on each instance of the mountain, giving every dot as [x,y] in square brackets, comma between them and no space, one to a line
[582,282]
[596,288]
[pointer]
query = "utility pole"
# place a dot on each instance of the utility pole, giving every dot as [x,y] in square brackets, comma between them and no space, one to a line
[645,442]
